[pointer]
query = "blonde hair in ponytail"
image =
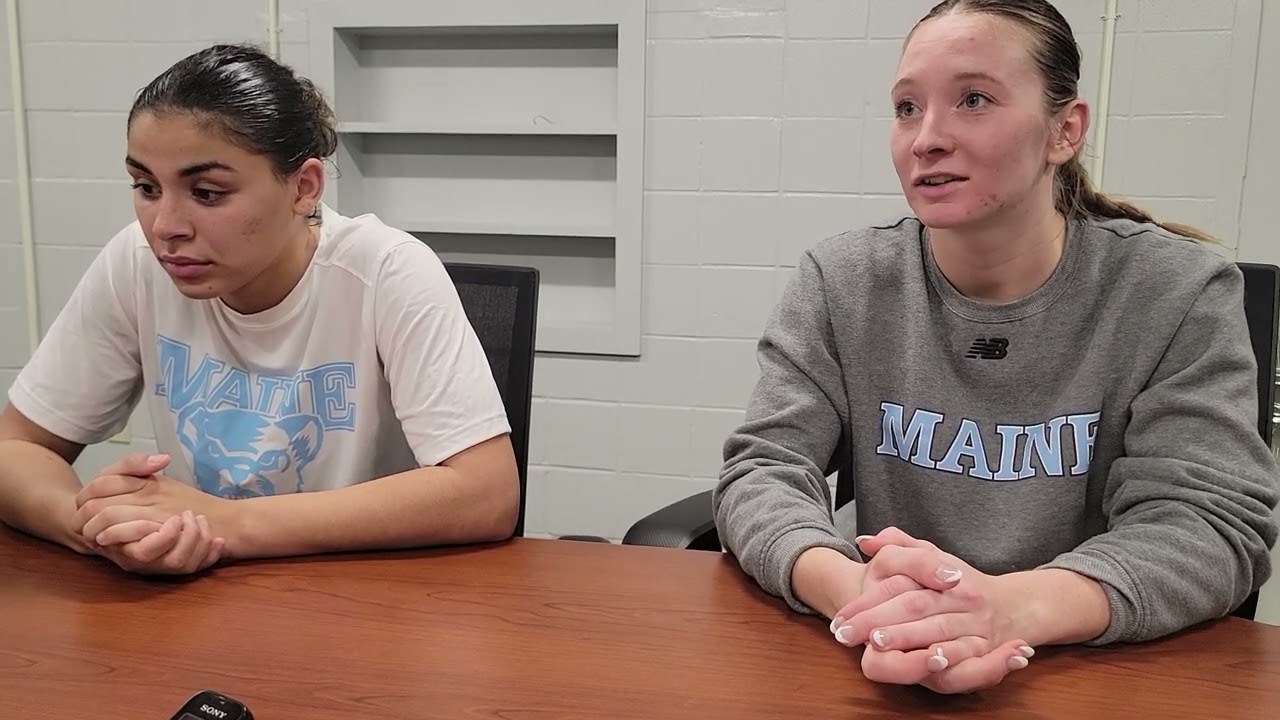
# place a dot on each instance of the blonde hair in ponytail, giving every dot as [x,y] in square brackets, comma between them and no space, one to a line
[1057,56]
[1075,195]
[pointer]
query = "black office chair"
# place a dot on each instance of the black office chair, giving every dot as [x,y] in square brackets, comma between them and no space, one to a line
[1261,310]
[502,304]
[689,523]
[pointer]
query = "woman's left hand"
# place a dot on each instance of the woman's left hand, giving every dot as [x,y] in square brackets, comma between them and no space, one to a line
[955,640]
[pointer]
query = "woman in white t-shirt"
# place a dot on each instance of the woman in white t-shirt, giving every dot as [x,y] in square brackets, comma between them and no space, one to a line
[313,381]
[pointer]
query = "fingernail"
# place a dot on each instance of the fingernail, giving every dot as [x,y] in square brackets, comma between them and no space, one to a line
[880,638]
[862,538]
[157,458]
[947,574]
[938,662]
[836,622]
[1017,662]
[840,633]
[1027,651]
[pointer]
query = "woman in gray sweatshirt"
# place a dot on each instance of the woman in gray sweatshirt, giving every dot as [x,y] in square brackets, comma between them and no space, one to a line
[1048,400]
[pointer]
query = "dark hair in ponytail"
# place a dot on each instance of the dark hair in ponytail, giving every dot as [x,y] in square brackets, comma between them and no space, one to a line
[1057,56]
[260,104]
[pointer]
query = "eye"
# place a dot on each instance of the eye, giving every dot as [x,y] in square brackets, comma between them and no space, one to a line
[904,109]
[146,189]
[975,100]
[207,196]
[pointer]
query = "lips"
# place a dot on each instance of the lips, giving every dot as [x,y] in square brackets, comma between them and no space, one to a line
[938,179]
[938,187]
[185,268]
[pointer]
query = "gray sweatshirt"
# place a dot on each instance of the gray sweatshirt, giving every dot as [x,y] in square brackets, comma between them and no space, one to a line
[1105,424]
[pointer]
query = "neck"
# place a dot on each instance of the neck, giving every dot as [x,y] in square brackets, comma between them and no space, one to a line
[274,284]
[1004,260]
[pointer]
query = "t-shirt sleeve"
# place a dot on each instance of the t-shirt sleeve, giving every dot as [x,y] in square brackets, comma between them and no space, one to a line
[85,377]
[442,388]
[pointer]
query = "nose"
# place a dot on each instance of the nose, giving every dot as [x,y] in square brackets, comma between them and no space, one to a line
[170,221]
[933,138]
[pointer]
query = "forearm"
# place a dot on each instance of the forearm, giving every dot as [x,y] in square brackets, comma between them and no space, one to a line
[37,493]
[1052,606]
[826,580]
[1169,564]
[769,516]
[417,508]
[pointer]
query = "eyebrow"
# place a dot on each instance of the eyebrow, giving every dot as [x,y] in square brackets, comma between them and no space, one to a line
[967,76]
[187,171]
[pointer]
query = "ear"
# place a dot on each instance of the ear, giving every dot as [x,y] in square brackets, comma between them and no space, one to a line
[308,186]
[1071,127]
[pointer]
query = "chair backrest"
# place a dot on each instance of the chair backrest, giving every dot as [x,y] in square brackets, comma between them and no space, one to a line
[1261,310]
[502,304]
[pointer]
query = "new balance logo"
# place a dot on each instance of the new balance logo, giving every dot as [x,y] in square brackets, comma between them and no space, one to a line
[995,348]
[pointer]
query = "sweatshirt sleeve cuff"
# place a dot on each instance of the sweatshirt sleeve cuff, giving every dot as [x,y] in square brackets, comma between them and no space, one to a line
[780,557]
[1121,591]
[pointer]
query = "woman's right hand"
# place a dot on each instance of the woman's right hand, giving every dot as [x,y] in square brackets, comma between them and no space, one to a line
[917,569]
[181,545]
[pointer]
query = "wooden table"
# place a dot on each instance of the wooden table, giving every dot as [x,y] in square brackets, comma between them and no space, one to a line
[528,630]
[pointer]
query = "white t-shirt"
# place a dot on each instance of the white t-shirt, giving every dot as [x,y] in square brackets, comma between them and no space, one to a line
[367,368]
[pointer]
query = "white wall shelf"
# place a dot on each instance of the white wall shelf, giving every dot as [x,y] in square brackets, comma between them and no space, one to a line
[410,127]
[499,227]
[501,131]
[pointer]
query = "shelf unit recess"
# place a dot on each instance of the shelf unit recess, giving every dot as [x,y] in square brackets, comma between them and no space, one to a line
[501,131]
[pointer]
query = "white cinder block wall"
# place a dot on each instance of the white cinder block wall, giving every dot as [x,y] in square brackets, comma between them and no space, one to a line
[83,60]
[767,130]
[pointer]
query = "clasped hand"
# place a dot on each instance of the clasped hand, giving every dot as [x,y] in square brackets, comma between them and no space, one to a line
[928,618]
[146,522]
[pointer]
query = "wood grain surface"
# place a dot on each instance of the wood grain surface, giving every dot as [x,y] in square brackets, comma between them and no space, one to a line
[528,630]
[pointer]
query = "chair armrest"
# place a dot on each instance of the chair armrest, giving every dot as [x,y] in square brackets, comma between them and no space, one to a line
[687,524]
[1249,608]
[583,538]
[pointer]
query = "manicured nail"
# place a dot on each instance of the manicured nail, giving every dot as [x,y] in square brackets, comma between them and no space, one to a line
[841,632]
[1017,662]
[157,458]
[880,638]
[836,622]
[1027,651]
[861,538]
[938,662]
[947,574]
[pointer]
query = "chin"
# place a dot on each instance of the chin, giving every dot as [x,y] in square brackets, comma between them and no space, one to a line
[943,216]
[198,291]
